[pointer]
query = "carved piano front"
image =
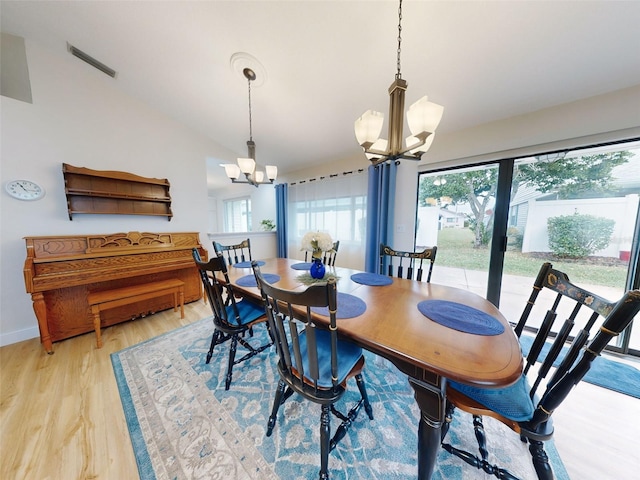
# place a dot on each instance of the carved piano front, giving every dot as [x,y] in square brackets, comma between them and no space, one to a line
[59,272]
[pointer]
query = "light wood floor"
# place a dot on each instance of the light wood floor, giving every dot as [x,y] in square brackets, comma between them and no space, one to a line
[61,416]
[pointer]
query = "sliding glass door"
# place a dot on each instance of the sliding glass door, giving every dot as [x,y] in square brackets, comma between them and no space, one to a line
[455,212]
[498,223]
[576,210]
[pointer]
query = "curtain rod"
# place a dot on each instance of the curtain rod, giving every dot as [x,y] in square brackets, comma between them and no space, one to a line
[324,177]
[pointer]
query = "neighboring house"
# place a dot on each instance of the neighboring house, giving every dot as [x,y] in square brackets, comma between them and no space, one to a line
[450,219]
[432,219]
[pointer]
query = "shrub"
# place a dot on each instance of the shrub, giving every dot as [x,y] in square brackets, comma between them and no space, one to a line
[578,236]
[515,238]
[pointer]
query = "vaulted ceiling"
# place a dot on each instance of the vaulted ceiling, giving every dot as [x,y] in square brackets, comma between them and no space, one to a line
[323,63]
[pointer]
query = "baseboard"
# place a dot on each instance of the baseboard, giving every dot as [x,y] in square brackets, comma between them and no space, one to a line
[18,336]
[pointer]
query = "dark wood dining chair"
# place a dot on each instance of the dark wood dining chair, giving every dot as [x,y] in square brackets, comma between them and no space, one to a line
[561,342]
[232,317]
[312,361]
[238,253]
[329,258]
[397,263]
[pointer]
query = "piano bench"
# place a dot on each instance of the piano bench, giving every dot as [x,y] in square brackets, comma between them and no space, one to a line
[99,301]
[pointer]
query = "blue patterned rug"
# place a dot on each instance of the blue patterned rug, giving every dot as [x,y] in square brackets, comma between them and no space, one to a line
[184,425]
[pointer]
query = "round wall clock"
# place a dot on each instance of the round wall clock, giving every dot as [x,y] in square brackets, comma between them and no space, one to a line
[24,190]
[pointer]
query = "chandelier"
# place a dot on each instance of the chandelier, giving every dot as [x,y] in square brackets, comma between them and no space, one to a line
[253,173]
[423,118]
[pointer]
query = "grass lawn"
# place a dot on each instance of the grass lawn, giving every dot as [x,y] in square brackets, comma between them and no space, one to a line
[455,249]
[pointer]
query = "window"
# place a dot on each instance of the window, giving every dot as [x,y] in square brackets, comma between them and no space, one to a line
[237,215]
[336,205]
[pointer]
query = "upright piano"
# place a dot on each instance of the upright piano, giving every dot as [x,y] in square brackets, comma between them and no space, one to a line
[60,271]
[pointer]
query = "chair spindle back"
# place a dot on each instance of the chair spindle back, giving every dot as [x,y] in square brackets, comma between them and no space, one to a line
[329,257]
[233,254]
[295,333]
[555,341]
[394,262]
[219,294]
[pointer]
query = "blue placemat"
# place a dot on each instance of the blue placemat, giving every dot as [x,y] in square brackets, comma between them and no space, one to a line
[246,264]
[302,266]
[373,279]
[460,317]
[349,306]
[250,280]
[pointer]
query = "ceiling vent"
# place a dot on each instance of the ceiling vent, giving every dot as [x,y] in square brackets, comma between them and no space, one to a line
[91,61]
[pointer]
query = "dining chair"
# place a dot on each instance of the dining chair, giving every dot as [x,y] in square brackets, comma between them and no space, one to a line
[312,361]
[232,317]
[561,342]
[329,257]
[415,262]
[233,254]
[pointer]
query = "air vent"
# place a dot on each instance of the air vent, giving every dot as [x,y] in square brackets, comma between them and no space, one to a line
[91,61]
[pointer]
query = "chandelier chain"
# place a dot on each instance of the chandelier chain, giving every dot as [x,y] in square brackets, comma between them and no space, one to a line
[398,74]
[250,126]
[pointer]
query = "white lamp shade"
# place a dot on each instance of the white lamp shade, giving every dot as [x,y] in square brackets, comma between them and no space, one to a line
[272,172]
[232,170]
[380,145]
[258,176]
[247,165]
[411,140]
[424,116]
[368,127]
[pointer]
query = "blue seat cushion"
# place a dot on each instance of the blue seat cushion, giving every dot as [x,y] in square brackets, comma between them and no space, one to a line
[248,312]
[348,356]
[512,402]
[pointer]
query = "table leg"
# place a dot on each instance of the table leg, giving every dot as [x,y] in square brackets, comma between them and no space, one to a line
[431,400]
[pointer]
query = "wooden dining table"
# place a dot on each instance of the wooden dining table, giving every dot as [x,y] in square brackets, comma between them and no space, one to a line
[427,352]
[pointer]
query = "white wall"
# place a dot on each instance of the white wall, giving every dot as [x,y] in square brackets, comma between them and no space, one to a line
[608,117]
[77,117]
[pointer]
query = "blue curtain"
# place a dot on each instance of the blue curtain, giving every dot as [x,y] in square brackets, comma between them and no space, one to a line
[380,205]
[281,218]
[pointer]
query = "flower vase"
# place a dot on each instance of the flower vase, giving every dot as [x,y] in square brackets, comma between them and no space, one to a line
[317,268]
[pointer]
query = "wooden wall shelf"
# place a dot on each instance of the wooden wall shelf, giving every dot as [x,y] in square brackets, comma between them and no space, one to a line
[115,193]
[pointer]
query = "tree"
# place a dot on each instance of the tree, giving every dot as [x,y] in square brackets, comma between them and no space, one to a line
[476,188]
[574,177]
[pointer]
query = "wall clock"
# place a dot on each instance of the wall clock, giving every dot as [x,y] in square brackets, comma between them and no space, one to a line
[24,190]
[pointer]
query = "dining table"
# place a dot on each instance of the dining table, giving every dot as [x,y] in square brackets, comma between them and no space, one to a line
[430,332]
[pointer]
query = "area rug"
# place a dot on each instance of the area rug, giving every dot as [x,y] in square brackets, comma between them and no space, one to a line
[604,372]
[184,425]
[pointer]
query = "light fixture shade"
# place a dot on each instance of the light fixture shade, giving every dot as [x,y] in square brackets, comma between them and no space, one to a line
[411,140]
[258,176]
[368,127]
[272,172]
[232,170]
[379,146]
[247,165]
[424,116]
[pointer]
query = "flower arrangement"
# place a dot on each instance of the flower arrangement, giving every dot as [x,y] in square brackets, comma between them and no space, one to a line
[317,242]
